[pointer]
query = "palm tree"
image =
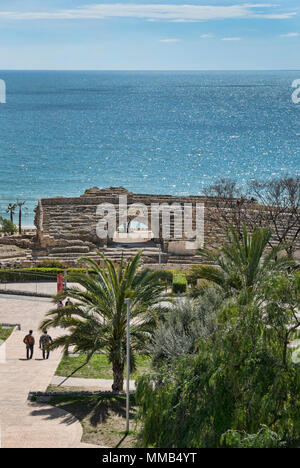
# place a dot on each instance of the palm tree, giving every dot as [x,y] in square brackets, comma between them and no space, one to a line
[244,263]
[20,204]
[11,210]
[96,321]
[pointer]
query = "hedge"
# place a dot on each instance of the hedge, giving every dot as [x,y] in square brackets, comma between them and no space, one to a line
[36,274]
[23,275]
[179,283]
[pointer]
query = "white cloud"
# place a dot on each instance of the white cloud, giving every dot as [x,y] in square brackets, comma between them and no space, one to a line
[170,40]
[292,34]
[156,12]
[231,39]
[278,16]
[206,36]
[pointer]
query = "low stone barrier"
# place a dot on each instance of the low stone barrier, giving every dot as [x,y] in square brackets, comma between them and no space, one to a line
[16,326]
[11,292]
[43,397]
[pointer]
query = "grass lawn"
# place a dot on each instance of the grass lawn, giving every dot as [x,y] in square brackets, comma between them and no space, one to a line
[98,367]
[5,333]
[103,418]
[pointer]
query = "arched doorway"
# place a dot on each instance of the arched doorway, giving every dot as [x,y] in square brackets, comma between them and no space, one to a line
[133,232]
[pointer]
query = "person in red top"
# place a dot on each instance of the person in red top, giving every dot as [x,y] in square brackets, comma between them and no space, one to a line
[29,341]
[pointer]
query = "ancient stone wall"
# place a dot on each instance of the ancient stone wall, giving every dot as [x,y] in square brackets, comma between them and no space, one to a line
[68,222]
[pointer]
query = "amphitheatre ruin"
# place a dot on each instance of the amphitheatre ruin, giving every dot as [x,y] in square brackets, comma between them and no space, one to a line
[66,229]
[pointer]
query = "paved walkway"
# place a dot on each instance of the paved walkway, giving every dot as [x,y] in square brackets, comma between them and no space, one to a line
[26,425]
[47,288]
[100,384]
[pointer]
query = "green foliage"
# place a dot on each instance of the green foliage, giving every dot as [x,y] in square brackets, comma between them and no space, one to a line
[195,273]
[7,226]
[179,283]
[51,263]
[265,438]
[236,381]
[34,274]
[243,378]
[183,325]
[96,321]
[5,333]
[98,367]
[244,263]
[201,289]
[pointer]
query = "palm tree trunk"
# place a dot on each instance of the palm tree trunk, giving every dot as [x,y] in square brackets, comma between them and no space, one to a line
[118,372]
[20,221]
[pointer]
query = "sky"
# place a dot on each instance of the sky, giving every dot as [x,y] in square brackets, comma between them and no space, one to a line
[144,34]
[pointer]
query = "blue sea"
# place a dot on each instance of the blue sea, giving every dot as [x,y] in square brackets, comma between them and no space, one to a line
[155,132]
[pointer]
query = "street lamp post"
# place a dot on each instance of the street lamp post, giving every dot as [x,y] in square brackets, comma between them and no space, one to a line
[127,302]
[103,263]
[65,279]
[159,255]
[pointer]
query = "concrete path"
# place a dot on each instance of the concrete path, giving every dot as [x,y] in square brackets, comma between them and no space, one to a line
[47,287]
[25,425]
[100,384]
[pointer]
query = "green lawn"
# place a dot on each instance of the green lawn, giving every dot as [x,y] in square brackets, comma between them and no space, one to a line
[5,333]
[98,367]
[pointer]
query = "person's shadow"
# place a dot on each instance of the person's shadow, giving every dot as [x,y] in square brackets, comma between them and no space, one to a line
[36,359]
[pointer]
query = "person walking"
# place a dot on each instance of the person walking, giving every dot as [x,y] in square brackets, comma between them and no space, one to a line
[30,342]
[45,341]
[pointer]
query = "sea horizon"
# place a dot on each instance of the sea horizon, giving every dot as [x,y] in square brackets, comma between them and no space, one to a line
[151,131]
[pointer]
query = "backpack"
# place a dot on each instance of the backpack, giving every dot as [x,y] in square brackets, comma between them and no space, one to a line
[45,340]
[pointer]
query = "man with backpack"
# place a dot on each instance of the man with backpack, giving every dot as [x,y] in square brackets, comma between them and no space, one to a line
[45,342]
[29,341]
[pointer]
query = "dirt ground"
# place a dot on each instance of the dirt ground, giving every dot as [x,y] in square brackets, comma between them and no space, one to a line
[103,418]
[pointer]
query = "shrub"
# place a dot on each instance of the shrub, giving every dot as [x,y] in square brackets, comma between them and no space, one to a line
[165,275]
[265,438]
[51,263]
[179,331]
[179,283]
[7,226]
[194,274]
[34,274]
[201,289]
[240,379]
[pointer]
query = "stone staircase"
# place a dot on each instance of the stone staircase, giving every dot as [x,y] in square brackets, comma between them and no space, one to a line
[72,252]
[12,256]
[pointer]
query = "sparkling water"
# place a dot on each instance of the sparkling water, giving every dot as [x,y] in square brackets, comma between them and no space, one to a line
[152,132]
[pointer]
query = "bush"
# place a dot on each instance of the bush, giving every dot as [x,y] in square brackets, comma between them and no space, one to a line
[7,226]
[34,274]
[195,273]
[236,381]
[201,289]
[51,263]
[181,328]
[179,283]
[165,275]
[265,438]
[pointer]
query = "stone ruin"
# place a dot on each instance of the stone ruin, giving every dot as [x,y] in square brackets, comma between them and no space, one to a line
[66,229]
